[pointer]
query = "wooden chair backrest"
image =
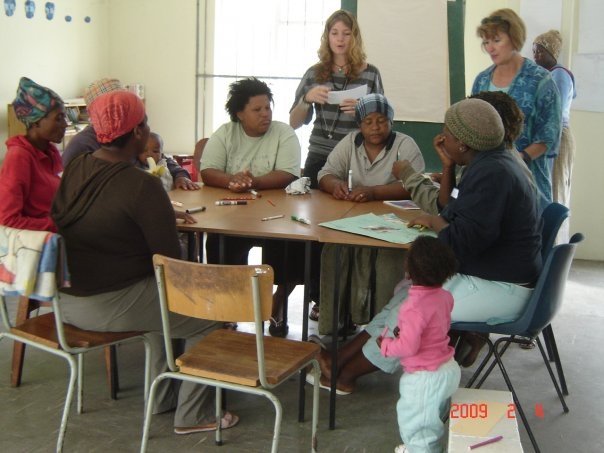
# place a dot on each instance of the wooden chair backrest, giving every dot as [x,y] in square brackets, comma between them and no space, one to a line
[213,291]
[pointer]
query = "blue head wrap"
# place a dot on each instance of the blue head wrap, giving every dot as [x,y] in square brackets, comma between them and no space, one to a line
[33,101]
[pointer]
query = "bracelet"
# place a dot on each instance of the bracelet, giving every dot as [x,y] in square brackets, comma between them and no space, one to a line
[526,157]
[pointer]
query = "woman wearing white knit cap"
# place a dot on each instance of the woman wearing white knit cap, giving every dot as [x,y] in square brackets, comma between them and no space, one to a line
[546,49]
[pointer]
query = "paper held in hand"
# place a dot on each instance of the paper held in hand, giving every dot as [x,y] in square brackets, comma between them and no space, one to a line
[336,97]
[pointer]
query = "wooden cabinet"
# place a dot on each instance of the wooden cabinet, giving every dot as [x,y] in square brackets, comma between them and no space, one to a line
[77,119]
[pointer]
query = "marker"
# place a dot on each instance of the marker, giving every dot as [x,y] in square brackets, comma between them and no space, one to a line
[236,198]
[230,202]
[300,219]
[272,217]
[349,181]
[194,210]
[176,203]
[486,442]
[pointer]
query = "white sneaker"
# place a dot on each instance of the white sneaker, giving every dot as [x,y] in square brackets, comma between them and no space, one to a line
[400,449]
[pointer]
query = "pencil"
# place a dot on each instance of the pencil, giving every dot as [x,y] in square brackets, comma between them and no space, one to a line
[486,442]
[271,203]
[272,217]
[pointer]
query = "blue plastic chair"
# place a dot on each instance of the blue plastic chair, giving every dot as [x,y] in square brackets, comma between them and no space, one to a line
[543,305]
[553,217]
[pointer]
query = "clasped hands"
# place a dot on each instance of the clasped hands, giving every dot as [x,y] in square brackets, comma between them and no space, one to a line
[241,182]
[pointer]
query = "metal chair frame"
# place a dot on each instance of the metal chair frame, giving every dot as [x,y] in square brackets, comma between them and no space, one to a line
[262,390]
[73,355]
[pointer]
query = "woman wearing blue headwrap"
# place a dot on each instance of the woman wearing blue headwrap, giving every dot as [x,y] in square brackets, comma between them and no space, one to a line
[30,174]
[359,169]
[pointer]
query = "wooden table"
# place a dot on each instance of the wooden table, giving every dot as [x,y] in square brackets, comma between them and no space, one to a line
[317,206]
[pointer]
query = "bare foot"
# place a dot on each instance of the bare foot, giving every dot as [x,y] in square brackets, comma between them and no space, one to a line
[345,386]
[325,364]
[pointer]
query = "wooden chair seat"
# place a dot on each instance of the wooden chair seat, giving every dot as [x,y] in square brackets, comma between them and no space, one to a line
[42,329]
[227,359]
[231,356]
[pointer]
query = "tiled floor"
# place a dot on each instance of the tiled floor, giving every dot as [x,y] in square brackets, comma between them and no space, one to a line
[366,422]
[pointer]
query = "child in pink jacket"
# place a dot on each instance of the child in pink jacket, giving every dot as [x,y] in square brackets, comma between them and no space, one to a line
[421,341]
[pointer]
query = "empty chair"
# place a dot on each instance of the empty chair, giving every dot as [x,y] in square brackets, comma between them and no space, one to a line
[553,217]
[228,359]
[32,264]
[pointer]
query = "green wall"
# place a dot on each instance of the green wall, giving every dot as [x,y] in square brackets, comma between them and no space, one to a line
[423,133]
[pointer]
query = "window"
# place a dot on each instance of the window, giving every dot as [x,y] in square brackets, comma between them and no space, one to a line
[274,40]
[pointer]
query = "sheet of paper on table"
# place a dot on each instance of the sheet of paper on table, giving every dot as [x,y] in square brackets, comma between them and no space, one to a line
[403,204]
[387,228]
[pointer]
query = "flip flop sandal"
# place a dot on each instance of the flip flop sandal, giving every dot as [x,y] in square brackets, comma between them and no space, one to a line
[310,378]
[317,340]
[278,328]
[227,421]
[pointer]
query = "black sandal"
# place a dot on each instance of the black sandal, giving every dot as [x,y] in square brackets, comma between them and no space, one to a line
[278,328]
[313,315]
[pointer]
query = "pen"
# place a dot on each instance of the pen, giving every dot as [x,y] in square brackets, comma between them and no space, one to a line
[194,210]
[230,202]
[486,442]
[301,219]
[176,203]
[349,181]
[272,217]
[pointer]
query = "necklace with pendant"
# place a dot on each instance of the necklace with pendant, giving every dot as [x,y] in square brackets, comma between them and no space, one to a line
[334,123]
[340,68]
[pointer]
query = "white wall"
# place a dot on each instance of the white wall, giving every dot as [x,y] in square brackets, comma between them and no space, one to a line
[62,55]
[587,214]
[153,42]
[137,41]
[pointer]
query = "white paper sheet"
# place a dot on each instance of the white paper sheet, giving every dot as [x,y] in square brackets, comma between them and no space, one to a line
[408,42]
[336,97]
